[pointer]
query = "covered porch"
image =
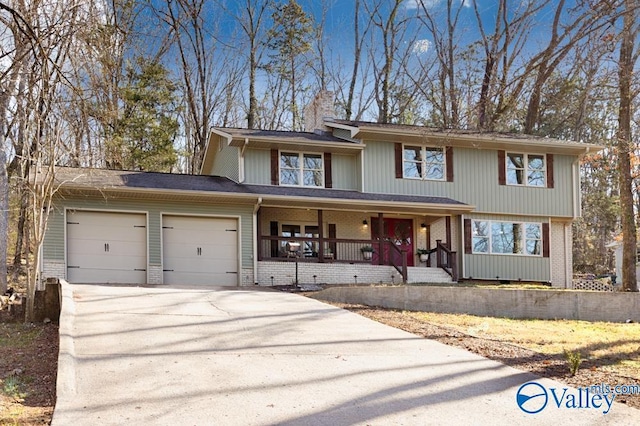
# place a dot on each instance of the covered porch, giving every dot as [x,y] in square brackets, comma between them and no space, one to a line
[299,244]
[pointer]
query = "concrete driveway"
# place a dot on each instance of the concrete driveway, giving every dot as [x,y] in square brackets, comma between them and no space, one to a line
[224,356]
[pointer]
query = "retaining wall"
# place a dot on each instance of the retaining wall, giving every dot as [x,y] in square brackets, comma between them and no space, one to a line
[509,303]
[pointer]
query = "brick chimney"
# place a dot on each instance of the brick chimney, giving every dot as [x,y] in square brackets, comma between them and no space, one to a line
[320,108]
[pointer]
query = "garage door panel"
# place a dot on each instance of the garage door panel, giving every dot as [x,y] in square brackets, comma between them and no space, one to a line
[205,251]
[94,248]
[200,250]
[97,275]
[204,265]
[106,247]
[115,262]
[200,279]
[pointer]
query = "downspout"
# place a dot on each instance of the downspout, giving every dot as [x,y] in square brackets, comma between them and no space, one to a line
[568,272]
[255,240]
[463,272]
[241,176]
[575,185]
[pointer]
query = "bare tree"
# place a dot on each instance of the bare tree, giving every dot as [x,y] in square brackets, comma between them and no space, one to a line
[501,48]
[252,22]
[392,33]
[196,52]
[443,88]
[628,58]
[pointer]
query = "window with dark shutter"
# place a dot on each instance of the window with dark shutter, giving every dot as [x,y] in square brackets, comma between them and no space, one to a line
[275,172]
[502,168]
[328,183]
[550,181]
[398,153]
[273,231]
[467,236]
[449,160]
[545,240]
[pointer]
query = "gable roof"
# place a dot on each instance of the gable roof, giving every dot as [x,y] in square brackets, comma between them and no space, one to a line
[459,137]
[275,139]
[215,188]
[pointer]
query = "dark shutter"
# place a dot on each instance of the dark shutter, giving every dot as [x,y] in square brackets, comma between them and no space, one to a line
[398,149]
[545,240]
[449,159]
[333,245]
[327,170]
[467,236]
[502,168]
[550,182]
[274,167]
[273,231]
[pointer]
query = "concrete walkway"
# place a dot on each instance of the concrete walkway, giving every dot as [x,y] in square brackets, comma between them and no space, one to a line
[222,356]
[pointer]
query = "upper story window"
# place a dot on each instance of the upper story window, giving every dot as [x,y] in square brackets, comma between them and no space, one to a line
[423,162]
[526,169]
[301,169]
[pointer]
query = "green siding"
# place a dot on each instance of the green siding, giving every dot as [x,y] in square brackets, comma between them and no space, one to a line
[226,163]
[345,169]
[475,183]
[54,240]
[345,172]
[257,166]
[53,244]
[506,266]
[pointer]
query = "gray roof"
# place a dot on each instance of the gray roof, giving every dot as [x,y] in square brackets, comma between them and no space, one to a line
[279,134]
[498,136]
[102,179]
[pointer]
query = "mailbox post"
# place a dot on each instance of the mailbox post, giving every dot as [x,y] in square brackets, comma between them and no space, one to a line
[294,249]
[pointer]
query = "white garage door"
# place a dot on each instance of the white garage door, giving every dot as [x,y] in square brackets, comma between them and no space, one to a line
[106,247]
[199,250]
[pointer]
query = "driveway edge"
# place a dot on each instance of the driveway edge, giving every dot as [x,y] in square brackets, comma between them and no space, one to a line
[66,380]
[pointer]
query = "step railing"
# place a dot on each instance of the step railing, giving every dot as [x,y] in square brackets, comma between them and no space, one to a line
[447,260]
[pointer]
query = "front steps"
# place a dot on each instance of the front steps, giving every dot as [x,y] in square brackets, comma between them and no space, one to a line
[417,274]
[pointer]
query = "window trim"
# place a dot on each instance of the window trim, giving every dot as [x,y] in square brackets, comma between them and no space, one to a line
[544,171]
[301,169]
[523,242]
[423,148]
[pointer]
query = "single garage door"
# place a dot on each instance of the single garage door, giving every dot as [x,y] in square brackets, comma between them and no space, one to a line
[105,247]
[199,250]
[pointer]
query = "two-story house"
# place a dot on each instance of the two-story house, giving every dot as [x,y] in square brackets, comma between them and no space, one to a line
[344,202]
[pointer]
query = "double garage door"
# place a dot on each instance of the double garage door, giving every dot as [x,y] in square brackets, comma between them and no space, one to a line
[107,247]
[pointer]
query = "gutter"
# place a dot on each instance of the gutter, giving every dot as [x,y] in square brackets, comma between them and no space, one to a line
[575,185]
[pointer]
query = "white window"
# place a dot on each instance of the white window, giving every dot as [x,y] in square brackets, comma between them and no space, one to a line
[506,238]
[526,169]
[300,169]
[423,162]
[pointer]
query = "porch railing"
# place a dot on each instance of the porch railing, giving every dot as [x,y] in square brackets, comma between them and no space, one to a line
[310,249]
[447,260]
[402,268]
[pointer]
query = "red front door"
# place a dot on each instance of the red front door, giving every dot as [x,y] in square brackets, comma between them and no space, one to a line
[398,232]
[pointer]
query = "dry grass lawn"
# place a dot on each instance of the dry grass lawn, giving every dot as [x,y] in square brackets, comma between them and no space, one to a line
[614,346]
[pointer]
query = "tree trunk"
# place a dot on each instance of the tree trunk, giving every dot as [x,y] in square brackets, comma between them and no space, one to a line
[625,72]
